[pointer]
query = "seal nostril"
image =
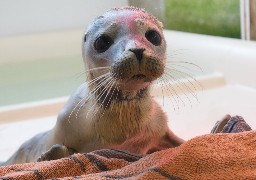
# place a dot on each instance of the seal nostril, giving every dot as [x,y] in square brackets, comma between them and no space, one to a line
[138,53]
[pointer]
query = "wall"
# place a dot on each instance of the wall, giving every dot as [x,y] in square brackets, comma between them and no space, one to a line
[30,16]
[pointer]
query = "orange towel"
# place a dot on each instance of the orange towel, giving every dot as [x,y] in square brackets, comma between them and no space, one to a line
[213,156]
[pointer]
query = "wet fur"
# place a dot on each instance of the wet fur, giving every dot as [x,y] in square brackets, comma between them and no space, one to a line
[103,113]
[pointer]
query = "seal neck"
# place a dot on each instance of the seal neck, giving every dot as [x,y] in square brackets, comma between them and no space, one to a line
[107,97]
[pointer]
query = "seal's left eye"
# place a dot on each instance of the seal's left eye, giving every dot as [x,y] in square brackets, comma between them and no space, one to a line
[153,37]
[103,43]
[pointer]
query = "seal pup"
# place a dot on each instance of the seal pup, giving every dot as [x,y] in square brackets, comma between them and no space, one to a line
[124,51]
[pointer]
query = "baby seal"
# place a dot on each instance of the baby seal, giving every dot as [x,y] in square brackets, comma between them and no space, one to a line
[124,51]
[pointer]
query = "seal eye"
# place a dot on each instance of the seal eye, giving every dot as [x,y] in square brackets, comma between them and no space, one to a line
[153,37]
[102,43]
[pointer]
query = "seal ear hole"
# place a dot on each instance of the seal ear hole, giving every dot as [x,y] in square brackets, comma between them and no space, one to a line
[103,43]
[154,37]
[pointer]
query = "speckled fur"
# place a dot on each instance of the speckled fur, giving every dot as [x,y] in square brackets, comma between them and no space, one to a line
[130,119]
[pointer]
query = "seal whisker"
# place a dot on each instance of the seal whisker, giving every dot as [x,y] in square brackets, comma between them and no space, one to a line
[180,86]
[84,98]
[98,86]
[105,89]
[190,69]
[75,108]
[116,87]
[97,78]
[70,114]
[106,82]
[118,90]
[173,92]
[168,91]
[177,50]
[78,75]
[160,81]
[189,77]
[183,50]
[110,88]
[184,62]
[162,91]
[113,90]
[175,55]
[98,68]
[87,98]
[191,86]
[185,86]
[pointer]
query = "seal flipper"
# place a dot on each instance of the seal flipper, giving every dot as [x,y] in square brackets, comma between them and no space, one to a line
[57,151]
[169,140]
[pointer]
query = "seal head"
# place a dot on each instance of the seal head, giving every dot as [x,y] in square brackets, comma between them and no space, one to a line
[129,47]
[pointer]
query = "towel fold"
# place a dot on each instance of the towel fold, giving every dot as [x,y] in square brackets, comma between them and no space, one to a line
[212,156]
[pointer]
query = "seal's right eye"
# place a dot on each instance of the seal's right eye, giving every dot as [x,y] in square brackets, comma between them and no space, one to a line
[154,37]
[103,43]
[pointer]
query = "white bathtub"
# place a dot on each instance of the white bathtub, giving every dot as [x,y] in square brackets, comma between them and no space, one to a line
[228,80]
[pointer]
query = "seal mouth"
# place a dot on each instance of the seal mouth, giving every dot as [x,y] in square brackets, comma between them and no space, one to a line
[139,77]
[137,82]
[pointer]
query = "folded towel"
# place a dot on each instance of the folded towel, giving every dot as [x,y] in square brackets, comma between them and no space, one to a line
[231,125]
[212,156]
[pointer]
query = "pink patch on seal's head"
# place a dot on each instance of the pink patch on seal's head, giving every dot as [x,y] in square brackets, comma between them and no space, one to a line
[141,13]
[136,13]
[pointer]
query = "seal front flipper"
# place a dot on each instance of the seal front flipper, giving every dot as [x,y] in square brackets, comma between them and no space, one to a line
[57,151]
[169,140]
